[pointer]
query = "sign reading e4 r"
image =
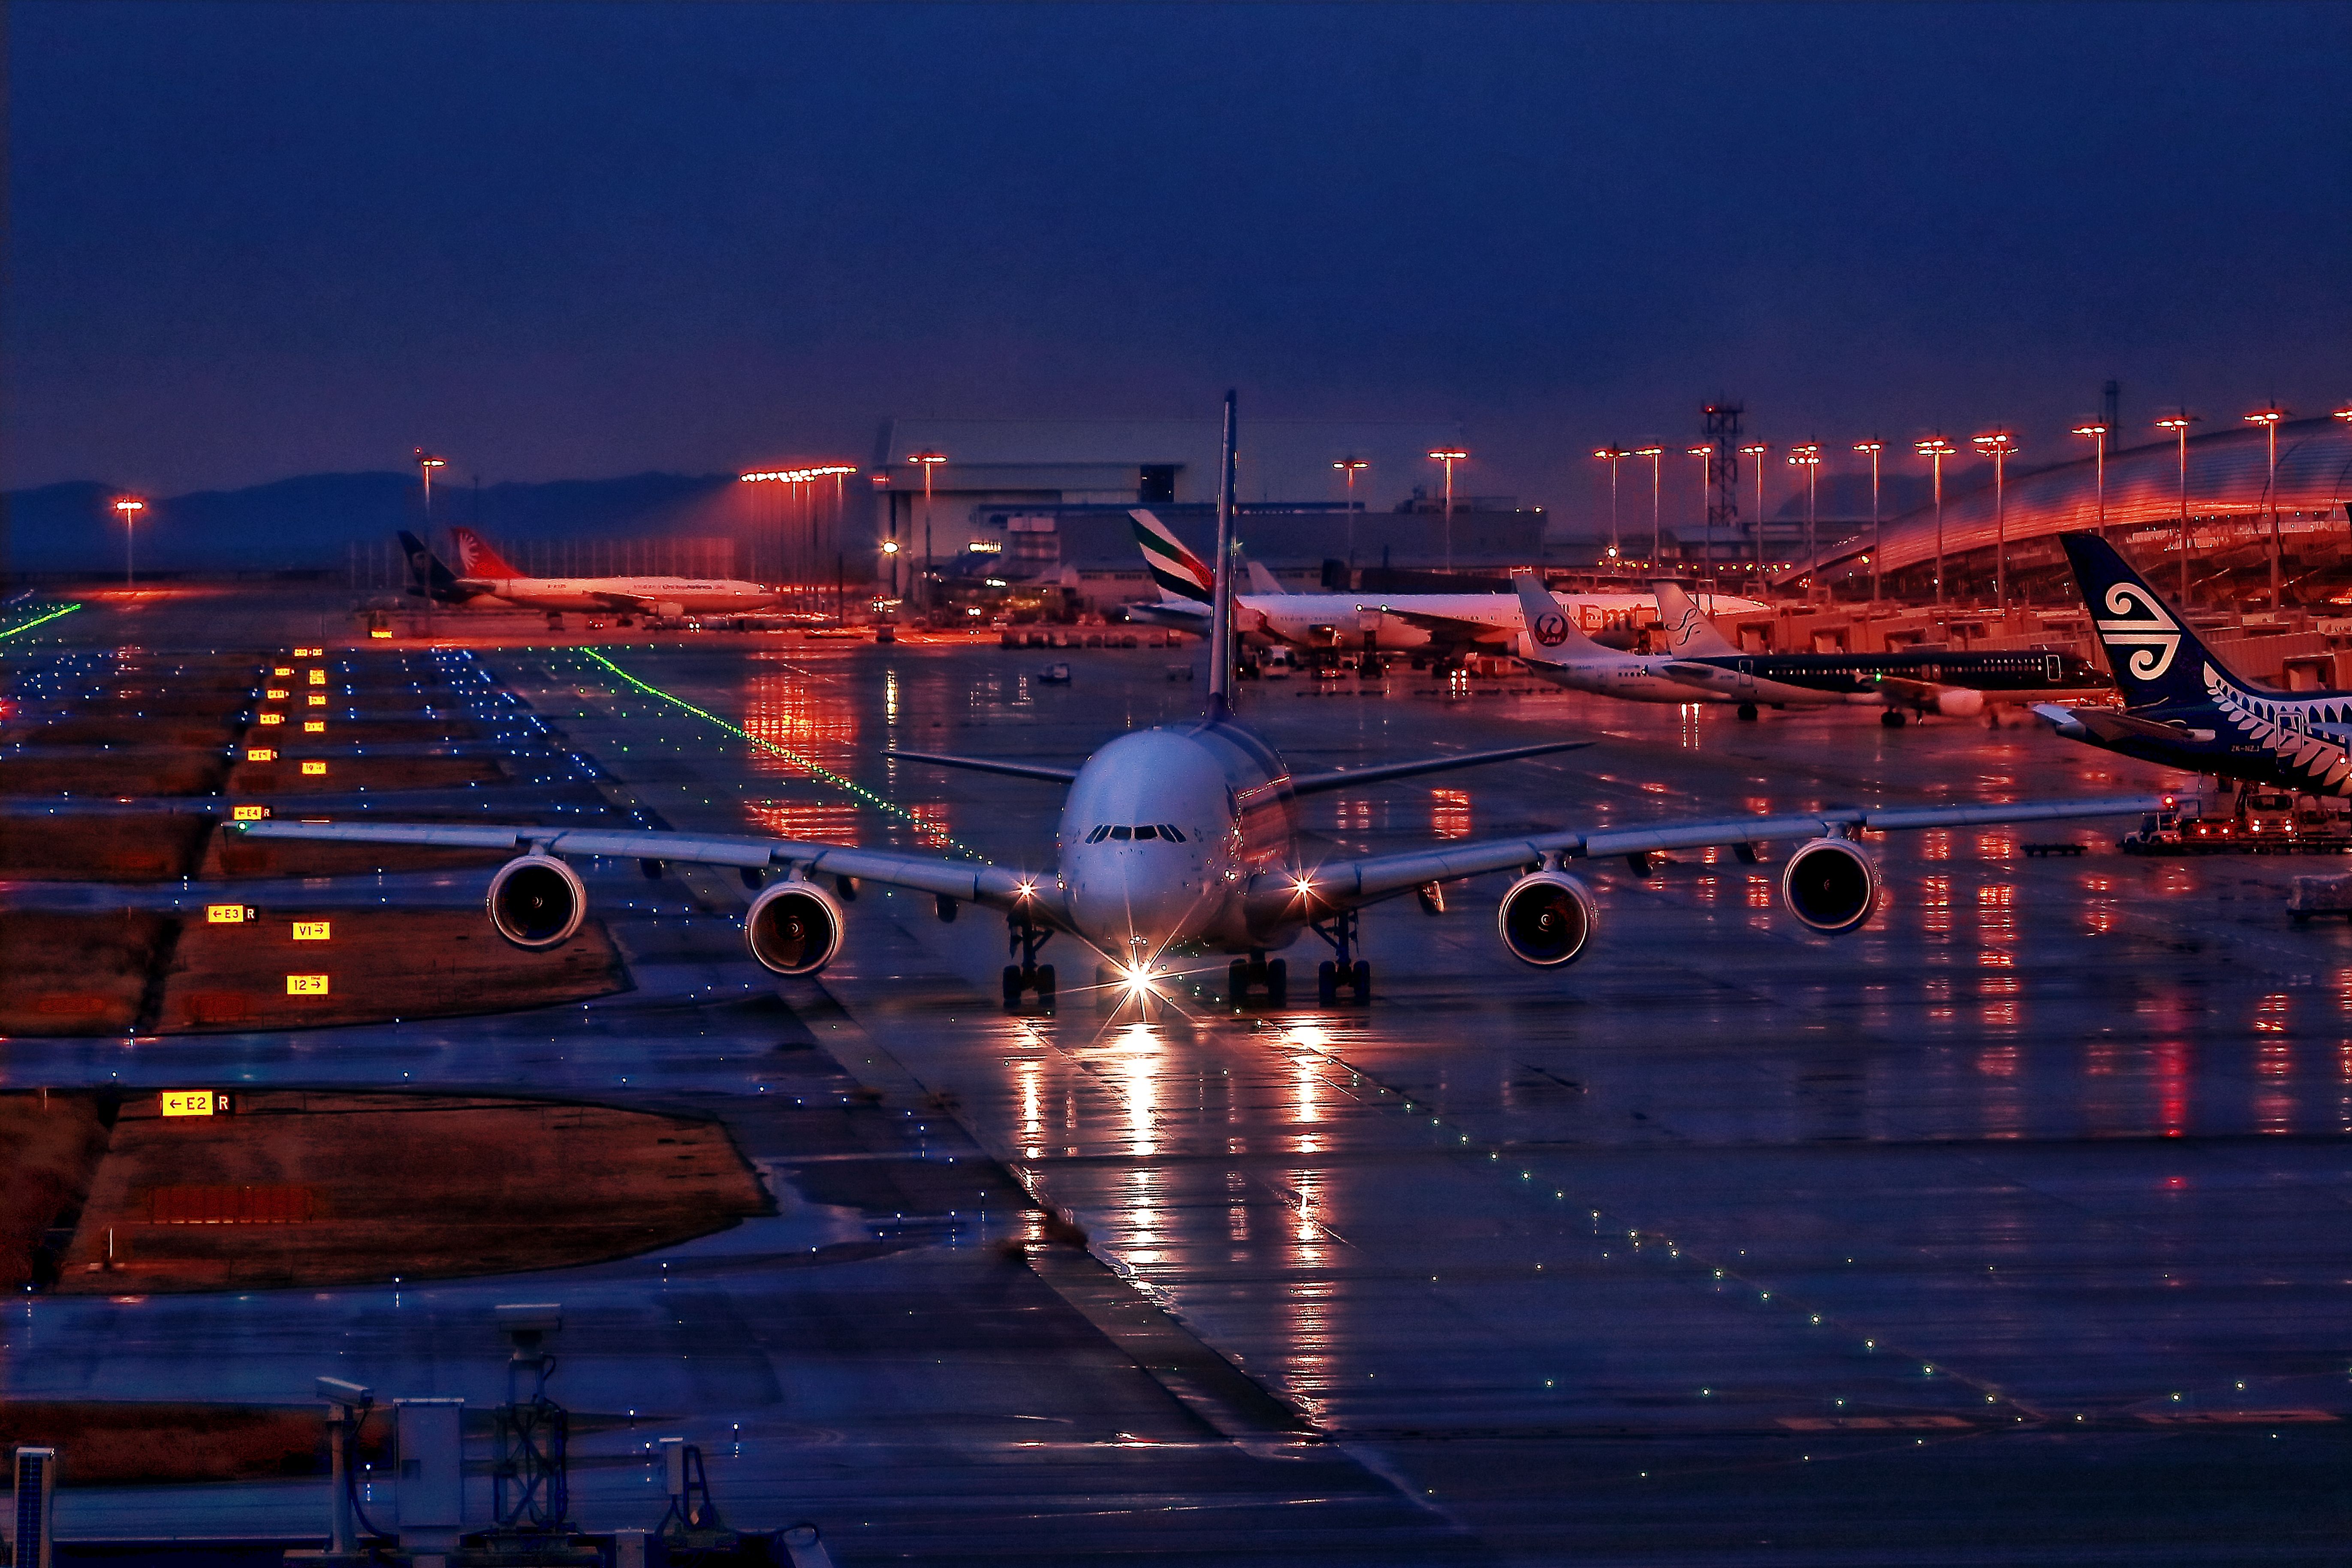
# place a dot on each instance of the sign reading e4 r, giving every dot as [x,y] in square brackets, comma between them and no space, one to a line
[186,1102]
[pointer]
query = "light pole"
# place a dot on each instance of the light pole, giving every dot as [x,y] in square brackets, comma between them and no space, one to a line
[1874,447]
[1612,454]
[2098,435]
[1936,450]
[1352,467]
[1657,547]
[1807,457]
[129,507]
[2179,421]
[1449,456]
[2268,418]
[1999,445]
[927,460]
[1755,454]
[1706,456]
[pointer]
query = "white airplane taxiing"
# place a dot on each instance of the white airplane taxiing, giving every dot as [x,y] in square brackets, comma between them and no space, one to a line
[1182,842]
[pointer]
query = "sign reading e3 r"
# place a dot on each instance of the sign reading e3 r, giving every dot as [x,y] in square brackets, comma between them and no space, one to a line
[226,914]
[186,1102]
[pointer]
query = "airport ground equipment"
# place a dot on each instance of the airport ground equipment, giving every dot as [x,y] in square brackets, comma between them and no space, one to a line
[2319,896]
[1181,844]
[2255,819]
[32,1517]
[347,1407]
[432,1474]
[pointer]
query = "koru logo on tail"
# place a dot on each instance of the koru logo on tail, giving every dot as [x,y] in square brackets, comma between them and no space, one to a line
[2151,635]
[1551,630]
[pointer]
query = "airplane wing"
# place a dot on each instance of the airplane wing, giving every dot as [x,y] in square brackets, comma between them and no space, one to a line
[2114,724]
[1450,628]
[992,886]
[1316,784]
[1342,884]
[991,766]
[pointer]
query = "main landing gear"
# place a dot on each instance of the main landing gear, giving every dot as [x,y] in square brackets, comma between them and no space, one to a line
[1343,970]
[1893,717]
[1028,975]
[1747,711]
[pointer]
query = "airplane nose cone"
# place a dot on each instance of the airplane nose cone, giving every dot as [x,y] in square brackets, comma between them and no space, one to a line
[1131,908]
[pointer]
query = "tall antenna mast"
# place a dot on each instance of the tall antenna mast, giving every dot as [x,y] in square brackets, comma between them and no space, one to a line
[1221,613]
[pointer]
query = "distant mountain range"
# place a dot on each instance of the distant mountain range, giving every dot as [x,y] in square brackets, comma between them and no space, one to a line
[311,521]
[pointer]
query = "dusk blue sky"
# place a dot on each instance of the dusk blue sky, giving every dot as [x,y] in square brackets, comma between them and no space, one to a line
[246,242]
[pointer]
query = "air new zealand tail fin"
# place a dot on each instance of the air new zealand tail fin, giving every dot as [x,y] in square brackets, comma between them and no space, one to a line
[2155,656]
[427,578]
[1689,635]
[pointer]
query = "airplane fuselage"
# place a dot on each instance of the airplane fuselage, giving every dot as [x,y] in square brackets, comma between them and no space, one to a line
[1398,623]
[1136,892]
[625,595]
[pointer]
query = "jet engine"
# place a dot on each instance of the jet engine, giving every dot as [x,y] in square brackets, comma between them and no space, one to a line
[1959,701]
[667,611]
[1548,919]
[536,901]
[1830,885]
[793,927]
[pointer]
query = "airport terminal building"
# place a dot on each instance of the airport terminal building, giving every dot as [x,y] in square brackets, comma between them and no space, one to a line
[1048,500]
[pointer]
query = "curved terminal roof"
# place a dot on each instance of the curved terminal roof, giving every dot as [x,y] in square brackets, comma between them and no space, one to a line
[2227,480]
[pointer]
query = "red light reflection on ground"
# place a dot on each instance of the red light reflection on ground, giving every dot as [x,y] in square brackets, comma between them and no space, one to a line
[1449,812]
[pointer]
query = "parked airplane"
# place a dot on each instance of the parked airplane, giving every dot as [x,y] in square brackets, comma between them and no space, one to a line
[483,574]
[1556,651]
[1185,841]
[2186,709]
[1448,626]
[1902,682]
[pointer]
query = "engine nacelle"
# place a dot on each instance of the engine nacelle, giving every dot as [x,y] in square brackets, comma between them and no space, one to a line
[793,927]
[1959,702]
[1830,885]
[667,611]
[536,901]
[1548,919]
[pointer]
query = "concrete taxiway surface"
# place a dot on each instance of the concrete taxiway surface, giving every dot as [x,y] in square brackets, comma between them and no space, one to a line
[2013,1229]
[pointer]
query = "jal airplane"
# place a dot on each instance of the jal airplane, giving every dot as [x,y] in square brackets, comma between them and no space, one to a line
[483,574]
[1449,624]
[2183,707]
[1554,650]
[1182,842]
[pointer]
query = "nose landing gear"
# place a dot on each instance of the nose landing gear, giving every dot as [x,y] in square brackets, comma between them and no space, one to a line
[1028,975]
[1258,972]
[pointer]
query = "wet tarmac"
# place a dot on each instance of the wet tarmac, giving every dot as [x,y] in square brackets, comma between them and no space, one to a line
[2013,1229]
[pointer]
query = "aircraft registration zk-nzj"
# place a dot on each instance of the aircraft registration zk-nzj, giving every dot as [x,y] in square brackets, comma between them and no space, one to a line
[1177,843]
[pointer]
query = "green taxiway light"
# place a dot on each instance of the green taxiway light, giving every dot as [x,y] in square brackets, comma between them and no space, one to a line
[879,802]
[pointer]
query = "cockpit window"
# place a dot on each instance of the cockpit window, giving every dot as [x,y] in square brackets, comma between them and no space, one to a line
[1097,835]
[1170,833]
[1122,833]
[1145,830]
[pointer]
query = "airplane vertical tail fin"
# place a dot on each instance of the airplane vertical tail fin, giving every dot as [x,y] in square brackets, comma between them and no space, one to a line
[1262,581]
[1689,634]
[1549,636]
[477,559]
[1182,577]
[2155,656]
[427,578]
